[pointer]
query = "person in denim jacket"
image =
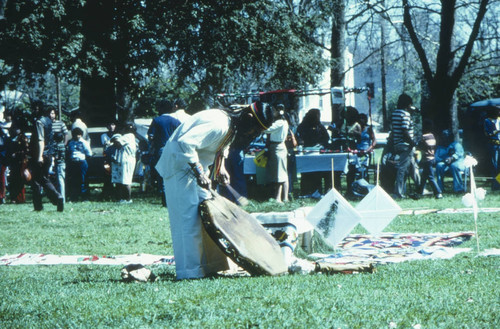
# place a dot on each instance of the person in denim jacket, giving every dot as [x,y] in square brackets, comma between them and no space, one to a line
[450,157]
[77,167]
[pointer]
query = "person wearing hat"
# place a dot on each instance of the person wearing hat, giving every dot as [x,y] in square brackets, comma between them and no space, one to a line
[199,142]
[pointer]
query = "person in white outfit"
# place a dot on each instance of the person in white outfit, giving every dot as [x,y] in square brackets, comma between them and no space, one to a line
[276,168]
[200,141]
[123,162]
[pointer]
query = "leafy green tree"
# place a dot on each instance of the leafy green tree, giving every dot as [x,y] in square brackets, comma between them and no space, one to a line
[116,48]
[41,36]
[226,44]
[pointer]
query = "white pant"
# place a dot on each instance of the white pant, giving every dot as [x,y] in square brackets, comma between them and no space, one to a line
[196,254]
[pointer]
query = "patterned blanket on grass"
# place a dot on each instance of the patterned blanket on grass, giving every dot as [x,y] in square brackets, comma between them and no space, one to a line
[396,247]
[45,259]
[355,249]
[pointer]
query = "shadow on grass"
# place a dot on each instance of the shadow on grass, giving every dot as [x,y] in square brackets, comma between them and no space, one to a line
[112,274]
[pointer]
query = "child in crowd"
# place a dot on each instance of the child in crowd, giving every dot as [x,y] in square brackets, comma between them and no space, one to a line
[78,150]
[427,146]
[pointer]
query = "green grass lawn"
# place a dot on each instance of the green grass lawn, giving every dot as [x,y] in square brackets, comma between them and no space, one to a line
[458,293]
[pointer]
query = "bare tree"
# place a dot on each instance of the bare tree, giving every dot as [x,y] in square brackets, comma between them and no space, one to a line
[451,59]
[444,53]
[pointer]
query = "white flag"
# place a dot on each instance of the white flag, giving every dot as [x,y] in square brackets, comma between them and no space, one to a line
[333,217]
[377,210]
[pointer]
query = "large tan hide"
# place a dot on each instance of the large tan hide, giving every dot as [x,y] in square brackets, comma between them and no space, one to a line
[241,237]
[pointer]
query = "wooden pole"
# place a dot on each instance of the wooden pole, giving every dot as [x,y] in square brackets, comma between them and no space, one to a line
[333,175]
[474,204]
[59,97]
[378,169]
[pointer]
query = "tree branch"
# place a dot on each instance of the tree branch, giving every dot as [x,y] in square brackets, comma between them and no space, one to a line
[459,71]
[367,57]
[416,43]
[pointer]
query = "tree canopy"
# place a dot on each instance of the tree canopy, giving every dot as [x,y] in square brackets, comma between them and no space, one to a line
[126,54]
[121,46]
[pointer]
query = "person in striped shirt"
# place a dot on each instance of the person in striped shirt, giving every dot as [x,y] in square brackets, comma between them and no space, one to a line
[403,143]
[61,137]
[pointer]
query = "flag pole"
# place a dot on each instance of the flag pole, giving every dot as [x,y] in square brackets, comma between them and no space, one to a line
[474,204]
[378,170]
[333,176]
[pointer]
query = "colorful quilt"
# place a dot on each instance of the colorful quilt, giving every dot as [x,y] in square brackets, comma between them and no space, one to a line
[396,247]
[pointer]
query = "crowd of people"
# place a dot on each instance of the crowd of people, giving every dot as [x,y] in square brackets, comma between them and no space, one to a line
[54,160]
[424,160]
[430,157]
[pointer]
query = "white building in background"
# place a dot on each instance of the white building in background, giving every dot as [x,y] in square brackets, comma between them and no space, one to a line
[10,98]
[323,99]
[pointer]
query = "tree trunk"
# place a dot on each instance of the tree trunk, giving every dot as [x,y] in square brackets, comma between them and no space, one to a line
[337,53]
[440,105]
[97,100]
[97,93]
[444,82]
[404,73]
[58,87]
[123,101]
